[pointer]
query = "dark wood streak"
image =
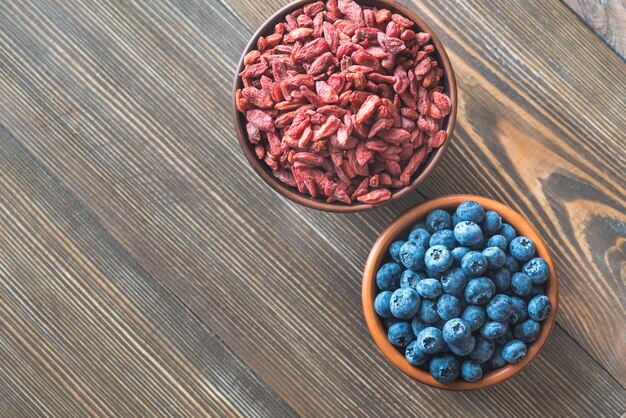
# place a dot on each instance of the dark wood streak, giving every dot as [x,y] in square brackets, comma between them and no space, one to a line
[86,330]
[127,105]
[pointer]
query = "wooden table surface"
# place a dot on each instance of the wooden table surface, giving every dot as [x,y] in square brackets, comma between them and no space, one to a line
[145,270]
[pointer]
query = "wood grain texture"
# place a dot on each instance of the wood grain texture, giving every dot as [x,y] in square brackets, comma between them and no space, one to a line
[87,331]
[127,104]
[607,18]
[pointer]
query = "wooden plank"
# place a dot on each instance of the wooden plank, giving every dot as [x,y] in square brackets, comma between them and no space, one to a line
[607,18]
[132,107]
[86,331]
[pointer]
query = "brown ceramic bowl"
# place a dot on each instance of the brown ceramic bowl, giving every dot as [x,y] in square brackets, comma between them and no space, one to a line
[261,168]
[399,229]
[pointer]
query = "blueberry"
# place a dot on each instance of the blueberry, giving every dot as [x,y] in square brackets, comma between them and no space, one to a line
[473,264]
[420,236]
[417,325]
[443,237]
[405,303]
[537,270]
[410,278]
[388,276]
[429,288]
[483,350]
[522,249]
[394,250]
[479,290]
[492,329]
[496,360]
[428,311]
[539,307]
[514,351]
[471,371]
[470,211]
[455,219]
[492,223]
[456,331]
[420,224]
[498,241]
[468,233]
[521,284]
[527,331]
[511,264]
[445,369]
[537,290]
[438,219]
[508,232]
[500,308]
[448,307]
[430,340]
[453,282]
[474,316]
[501,278]
[495,257]
[464,347]
[458,253]
[412,255]
[381,304]
[400,334]
[520,312]
[414,355]
[438,258]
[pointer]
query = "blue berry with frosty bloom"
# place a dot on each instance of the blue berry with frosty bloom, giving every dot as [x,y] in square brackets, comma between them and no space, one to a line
[464,347]
[479,290]
[445,368]
[414,355]
[420,236]
[412,255]
[438,219]
[528,331]
[511,264]
[495,257]
[404,303]
[428,311]
[514,351]
[382,304]
[522,249]
[483,350]
[394,250]
[400,334]
[520,311]
[429,288]
[508,232]
[443,237]
[454,281]
[539,307]
[388,276]
[471,371]
[468,233]
[493,329]
[458,253]
[500,308]
[498,241]
[492,223]
[537,270]
[470,211]
[521,284]
[430,340]
[438,258]
[448,307]
[475,316]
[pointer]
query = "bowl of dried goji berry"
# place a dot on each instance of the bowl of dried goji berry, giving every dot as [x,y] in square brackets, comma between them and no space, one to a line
[344,105]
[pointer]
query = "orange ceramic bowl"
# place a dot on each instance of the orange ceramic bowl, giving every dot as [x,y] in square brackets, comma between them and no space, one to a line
[449,85]
[399,229]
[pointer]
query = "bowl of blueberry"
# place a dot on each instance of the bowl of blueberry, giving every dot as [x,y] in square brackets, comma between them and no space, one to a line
[460,292]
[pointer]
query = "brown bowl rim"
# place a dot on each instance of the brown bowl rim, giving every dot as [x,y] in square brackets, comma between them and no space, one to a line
[316,203]
[400,226]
